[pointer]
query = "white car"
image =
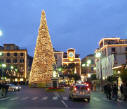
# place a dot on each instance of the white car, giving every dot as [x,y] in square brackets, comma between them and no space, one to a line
[13,87]
[79,91]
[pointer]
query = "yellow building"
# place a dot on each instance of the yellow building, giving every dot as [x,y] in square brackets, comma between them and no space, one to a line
[13,61]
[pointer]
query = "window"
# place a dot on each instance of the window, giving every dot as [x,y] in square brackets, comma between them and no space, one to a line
[21,54]
[113,49]
[1,54]
[15,54]
[21,60]
[15,61]
[8,54]
[8,61]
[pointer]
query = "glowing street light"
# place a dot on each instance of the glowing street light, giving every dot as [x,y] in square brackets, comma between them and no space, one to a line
[1,53]
[12,67]
[4,65]
[88,65]
[16,70]
[1,33]
[89,62]
[94,68]
[83,65]
[59,69]
[98,55]
[89,75]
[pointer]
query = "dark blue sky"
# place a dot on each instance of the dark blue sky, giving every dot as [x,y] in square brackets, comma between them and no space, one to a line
[78,24]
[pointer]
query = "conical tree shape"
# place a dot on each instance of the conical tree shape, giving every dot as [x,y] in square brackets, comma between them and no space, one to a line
[42,66]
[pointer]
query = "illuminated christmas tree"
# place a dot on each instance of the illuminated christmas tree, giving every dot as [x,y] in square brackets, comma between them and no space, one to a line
[43,61]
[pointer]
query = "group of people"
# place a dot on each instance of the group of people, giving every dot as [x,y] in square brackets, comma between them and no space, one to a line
[123,90]
[3,89]
[111,91]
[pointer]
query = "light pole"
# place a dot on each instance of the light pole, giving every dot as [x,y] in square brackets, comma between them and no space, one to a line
[3,66]
[98,55]
[11,67]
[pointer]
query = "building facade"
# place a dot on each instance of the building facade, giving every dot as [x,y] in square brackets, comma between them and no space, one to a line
[88,65]
[13,61]
[69,57]
[111,49]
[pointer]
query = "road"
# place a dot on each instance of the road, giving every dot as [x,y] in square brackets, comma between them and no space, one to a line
[38,98]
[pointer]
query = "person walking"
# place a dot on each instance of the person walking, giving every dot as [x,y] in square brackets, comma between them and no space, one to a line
[121,90]
[0,88]
[125,91]
[109,90]
[6,89]
[94,86]
[115,92]
[3,89]
[105,90]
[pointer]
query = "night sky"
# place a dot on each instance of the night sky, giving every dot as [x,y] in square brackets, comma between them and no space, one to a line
[78,24]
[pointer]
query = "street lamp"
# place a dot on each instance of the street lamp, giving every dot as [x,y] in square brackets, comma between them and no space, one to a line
[83,65]
[60,69]
[98,55]
[1,53]
[89,75]
[12,67]
[88,61]
[16,70]
[3,66]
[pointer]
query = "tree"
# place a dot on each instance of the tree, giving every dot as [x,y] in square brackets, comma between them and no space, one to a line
[76,77]
[93,77]
[43,61]
[123,73]
[112,78]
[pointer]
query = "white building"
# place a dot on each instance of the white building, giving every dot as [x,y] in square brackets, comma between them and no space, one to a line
[113,55]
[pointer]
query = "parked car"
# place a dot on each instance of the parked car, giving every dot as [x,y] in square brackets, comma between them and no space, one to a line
[13,87]
[62,84]
[80,91]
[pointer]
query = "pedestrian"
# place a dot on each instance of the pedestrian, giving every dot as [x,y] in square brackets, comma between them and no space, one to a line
[0,88]
[121,90]
[106,90]
[94,86]
[6,89]
[3,89]
[125,91]
[109,90]
[115,92]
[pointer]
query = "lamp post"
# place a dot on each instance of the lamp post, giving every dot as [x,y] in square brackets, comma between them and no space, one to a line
[3,66]
[98,55]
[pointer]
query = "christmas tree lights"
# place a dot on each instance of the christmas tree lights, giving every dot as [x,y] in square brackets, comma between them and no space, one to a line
[42,66]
